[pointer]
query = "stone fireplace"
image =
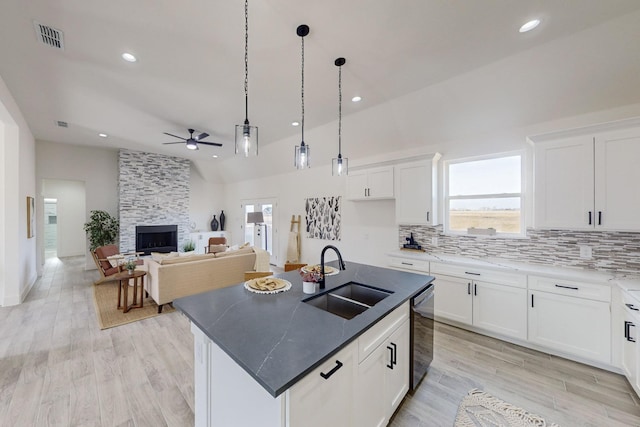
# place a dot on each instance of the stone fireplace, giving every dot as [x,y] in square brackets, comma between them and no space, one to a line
[156,238]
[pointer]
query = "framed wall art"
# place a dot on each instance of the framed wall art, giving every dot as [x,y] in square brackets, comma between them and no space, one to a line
[31,217]
[323,218]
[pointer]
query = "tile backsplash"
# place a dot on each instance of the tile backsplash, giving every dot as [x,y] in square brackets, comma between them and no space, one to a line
[613,251]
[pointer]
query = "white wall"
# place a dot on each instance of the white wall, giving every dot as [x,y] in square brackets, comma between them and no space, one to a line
[205,200]
[18,270]
[71,212]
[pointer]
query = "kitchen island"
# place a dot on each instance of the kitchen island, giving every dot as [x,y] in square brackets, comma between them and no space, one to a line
[252,350]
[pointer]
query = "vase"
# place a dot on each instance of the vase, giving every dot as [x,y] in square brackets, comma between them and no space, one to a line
[222,218]
[309,287]
[214,224]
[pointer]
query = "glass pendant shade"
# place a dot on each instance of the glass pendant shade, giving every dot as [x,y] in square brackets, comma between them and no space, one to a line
[339,166]
[247,140]
[303,153]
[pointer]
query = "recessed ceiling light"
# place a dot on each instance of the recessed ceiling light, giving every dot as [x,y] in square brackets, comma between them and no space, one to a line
[530,25]
[215,156]
[356,99]
[295,123]
[129,57]
[103,135]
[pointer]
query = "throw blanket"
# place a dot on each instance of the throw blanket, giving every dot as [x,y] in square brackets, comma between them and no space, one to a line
[262,259]
[293,247]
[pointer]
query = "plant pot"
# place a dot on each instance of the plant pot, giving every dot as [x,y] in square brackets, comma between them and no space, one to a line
[131,271]
[309,287]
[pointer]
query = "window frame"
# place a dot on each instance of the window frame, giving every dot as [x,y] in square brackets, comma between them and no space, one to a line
[447,198]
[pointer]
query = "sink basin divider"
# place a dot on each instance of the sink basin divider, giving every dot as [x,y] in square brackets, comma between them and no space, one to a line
[349,300]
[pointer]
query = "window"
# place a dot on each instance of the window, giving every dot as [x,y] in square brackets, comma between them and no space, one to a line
[484,194]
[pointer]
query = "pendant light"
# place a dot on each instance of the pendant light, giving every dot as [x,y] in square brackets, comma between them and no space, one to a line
[246,135]
[303,152]
[339,165]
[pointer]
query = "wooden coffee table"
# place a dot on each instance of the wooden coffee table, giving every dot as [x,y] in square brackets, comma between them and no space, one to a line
[123,284]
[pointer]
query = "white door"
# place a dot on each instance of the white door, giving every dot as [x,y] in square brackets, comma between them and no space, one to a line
[397,383]
[617,176]
[454,300]
[264,234]
[501,309]
[413,193]
[563,186]
[371,405]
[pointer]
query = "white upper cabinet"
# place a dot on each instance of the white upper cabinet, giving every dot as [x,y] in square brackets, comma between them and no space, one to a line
[416,192]
[370,184]
[588,182]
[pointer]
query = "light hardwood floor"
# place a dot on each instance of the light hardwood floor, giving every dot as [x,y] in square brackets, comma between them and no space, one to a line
[57,368]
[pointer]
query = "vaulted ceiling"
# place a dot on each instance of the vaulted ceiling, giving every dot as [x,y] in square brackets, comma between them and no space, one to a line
[190,74]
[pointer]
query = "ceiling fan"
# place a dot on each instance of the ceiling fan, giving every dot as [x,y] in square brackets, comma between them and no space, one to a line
[192,143]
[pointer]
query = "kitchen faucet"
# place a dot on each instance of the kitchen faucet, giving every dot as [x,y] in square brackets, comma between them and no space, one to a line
[340,262]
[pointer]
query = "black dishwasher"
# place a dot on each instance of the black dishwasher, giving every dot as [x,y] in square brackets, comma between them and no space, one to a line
[422,306]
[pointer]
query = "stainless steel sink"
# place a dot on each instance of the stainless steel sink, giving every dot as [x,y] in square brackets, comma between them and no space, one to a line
[348,300]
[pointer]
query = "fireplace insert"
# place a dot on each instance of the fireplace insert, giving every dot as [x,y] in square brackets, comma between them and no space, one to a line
[156,238]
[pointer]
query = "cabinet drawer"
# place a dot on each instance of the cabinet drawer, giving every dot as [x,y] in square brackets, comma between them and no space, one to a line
[575,289]
[371,339]
[409,264]
[493,276]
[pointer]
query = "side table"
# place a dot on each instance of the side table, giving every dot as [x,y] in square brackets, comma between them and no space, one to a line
[123,285]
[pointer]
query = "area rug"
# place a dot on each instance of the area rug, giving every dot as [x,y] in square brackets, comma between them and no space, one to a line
[105,297]
[480,409]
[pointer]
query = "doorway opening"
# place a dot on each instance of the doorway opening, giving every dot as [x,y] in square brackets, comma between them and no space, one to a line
[259,230]
[50,228]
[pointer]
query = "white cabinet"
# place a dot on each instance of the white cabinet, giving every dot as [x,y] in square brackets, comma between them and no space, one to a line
[416,192]
[494,301]
[370,184]
[571,317]
[383,371]
[325,396]
[587,182]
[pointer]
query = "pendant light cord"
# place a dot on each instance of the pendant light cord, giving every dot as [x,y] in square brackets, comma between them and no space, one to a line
[340,111]
[246,61]
[302,91]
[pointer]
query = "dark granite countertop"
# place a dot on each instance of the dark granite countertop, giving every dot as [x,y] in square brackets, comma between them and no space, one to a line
[277,338]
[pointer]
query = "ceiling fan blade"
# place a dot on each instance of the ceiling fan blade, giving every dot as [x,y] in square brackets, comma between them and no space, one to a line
[177,142]
[217,144]
[203,135]
[175,136]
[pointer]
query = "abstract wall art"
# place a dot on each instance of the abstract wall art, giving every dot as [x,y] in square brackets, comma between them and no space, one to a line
[323,216]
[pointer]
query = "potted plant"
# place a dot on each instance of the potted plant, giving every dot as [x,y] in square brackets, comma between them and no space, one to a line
[189,246]
[310,280]
[102,229]
[130,265]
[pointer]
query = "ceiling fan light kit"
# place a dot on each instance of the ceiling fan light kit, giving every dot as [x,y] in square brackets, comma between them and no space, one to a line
[340,165]
[191,142]
[302,151]
[246,136]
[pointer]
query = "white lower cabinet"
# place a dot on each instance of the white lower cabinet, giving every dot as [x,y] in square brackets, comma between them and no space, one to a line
[571,317]
[497,303]
[630,359]
[325,396]
[383,379]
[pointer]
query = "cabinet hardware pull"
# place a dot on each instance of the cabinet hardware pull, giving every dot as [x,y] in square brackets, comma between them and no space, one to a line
[406,263]
[589,217]
[469,288]
[473,274]
[332,371]
[394,360]
[427,216]
[567,287]
[531,300]
[475,289]
[626,329]
[390,365]
[632,307]
[599,217]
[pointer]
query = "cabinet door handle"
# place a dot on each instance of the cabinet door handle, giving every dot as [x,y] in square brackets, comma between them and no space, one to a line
[427,216]
[473,274]
[589,217]
[390,365]
[475,289]
[599,217]
[626,329]
[332,371]
[394,360]
[531,300]
[573,288]
[406,263]
[632,307]
[469,288]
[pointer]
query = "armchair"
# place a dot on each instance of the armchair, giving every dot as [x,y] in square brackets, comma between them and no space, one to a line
[214,241]
[101,257]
